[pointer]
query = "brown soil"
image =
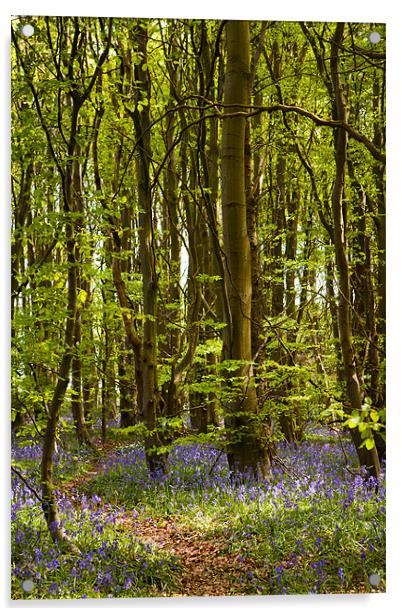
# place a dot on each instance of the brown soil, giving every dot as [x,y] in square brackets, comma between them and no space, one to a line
[207,567]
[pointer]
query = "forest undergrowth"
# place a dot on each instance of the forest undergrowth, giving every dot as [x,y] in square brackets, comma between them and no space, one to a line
[318,526]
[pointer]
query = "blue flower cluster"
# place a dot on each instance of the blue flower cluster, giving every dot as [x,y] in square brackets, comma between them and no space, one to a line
[316,526]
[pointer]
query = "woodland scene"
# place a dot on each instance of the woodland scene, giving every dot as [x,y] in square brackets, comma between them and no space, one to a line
[198,307]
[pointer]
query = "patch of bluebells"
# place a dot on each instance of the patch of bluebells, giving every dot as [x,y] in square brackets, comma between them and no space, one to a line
[320,518]
[109,562]
[317,473]
[317,528]
[66,460]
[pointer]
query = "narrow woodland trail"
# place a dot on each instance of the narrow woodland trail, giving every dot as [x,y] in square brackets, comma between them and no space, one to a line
[103,452]
[207,566]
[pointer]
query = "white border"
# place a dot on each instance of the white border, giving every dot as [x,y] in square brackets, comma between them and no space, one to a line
[343,10]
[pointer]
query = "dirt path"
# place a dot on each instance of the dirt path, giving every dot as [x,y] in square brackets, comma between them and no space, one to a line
[103,453]
[208,568]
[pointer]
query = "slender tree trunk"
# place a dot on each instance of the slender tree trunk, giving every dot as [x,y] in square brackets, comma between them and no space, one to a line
[49,503]
[202,257]
[77,407]
[125,360]
[90,377]
[286,417]
[150,392]
[368,458]
[76,372]
[171,391]
[126,384]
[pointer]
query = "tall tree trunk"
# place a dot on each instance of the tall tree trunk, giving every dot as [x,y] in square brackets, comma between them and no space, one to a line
[77,408]
[90,376]
[379,179]
[125,360]
[170,391]
[247,449]
[49,503]
[333,311]
[150,392]
[254,166]
[202,258]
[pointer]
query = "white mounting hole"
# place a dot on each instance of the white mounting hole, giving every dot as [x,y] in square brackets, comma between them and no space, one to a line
[374,37]
[374,579]
[27,30]
[28,585]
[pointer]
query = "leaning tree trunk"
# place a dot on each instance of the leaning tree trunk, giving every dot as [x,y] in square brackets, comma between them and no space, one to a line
[247,449]
[367,458]
[49,503]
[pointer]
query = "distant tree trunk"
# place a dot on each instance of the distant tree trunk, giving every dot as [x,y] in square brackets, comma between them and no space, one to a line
[254,171]
[380,222]
[247,449]
[171,391]
[125,359]
[89,375]
[364,321]
[77,407]
[22,209]
[105,386]
[364,310]
[287,419]
[205,164]
[379,179]
[126,385]
[292,423]
[257,301]
[333,311]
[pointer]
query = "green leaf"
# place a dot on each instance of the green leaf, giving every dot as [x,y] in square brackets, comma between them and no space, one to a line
[365,432]
[352,422]
[369,443]
[81,297]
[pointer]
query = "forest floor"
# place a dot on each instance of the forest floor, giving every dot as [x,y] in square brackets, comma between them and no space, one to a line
[216,575]
[315,528]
